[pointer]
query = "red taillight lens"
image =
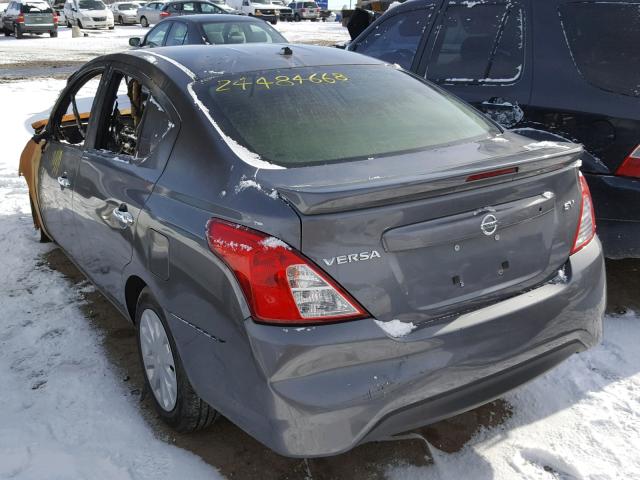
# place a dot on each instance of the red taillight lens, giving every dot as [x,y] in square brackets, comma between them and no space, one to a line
[491,174]
[631,165]
[164,14]
[20,18]
[587,221]
[55,18]
[280,284]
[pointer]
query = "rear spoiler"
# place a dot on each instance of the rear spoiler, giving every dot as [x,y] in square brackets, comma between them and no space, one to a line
[371,193]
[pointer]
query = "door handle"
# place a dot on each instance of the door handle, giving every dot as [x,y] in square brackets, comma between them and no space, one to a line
[122,215]
[63,181]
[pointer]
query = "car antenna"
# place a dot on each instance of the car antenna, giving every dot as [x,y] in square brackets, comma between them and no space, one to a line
[286,51]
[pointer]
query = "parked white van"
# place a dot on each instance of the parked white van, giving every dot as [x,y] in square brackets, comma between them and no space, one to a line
[88,14]
[261,9]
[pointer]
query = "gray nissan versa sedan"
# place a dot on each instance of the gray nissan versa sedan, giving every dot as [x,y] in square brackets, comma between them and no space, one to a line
[317,245]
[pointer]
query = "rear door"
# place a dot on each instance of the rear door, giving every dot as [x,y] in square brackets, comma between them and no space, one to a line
[481,52]
[399,36]
[73,125]
[133,142]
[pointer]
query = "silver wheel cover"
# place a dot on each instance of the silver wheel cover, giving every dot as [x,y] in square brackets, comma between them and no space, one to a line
[157,358]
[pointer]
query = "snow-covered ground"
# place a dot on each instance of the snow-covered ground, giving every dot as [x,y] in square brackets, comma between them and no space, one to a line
[66,415]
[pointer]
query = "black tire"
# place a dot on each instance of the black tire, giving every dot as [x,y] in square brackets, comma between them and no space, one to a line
[296,18]
[79,24]
[17,31]
[120,20]
[53,34]
[190,412]
[69,24]
[112,28]
[144,22]
[7,33]
[274,22]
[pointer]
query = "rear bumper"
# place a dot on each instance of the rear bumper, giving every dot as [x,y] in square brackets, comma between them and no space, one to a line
[39,28]
[323,390]
[615,200]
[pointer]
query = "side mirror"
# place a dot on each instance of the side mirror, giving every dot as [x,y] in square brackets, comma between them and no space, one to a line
[74,9]
[135,41]
[246,3]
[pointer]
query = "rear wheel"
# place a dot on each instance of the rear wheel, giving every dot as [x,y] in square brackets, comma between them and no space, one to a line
[53,34]
[79,24]
[144,22]
[296,17]
[274,22]
[17,31]
[120,20]
[173,396]
[6,32]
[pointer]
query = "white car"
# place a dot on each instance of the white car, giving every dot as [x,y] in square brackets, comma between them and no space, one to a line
[88,14]
[125,12]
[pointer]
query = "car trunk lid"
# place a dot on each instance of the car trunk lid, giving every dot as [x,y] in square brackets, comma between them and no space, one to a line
[441,237]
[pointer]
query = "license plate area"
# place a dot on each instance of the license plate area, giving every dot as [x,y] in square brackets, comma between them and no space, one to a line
[459,258]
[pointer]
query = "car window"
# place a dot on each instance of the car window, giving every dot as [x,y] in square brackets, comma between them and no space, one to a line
[177,34]
[479,43]
[310,5]
[36,7]
[156,36]
[604,39]
[91,5]
[208,8]
[343,113]
[218,33]
[174,7]
[189,7]
[127,6]
[72,120]
[395,40]
[136,123]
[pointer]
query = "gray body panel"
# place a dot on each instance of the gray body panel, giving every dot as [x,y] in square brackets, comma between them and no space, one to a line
[321,390]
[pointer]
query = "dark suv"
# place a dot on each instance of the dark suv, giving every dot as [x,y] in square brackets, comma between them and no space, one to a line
[554,70]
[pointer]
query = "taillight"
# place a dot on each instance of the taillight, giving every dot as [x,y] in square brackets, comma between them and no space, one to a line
[281,285]
[20,18]
[164,14]
[631,165]
[55,18]
[587,222]
[303,10]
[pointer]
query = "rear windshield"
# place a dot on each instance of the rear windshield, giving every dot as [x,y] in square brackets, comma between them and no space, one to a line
[220,33]
[309,5]
[91,5]
[307,116]
[604,39]
[36,8]
[127,6]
